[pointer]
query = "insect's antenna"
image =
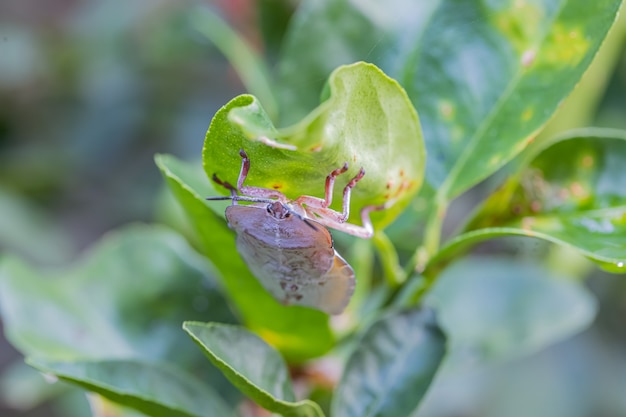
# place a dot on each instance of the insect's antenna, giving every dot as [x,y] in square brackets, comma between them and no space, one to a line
[240,198]
[221,197]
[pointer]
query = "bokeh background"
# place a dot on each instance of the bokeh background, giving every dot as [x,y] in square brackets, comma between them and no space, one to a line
[91,90]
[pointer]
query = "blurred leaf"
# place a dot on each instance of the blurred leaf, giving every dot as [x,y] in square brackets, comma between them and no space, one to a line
[298,332]
[23,388]
[392,367]
[580,109]
[571,193]
[407,228]
[252,366]
[367,121]
[101,406]
[124,299]
[274,17]
[75,404]
[242,57]
[30,232]
[484,76]
[152,389]
[494,309]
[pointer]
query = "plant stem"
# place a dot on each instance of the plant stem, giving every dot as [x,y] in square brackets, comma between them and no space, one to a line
[394,275]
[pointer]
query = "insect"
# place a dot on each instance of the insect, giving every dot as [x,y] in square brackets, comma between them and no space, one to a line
[286,244]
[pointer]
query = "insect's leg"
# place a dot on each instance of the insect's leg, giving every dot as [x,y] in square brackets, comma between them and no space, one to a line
[245,167]
[225,184]
[346,194]
[330,184]
[328,190]
[336,220]
[254,191]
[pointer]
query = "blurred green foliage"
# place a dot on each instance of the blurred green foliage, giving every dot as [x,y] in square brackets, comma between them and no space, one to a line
[89,91]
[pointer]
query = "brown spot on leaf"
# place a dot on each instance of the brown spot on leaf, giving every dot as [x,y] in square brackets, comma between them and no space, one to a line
[316,148]
[277,186]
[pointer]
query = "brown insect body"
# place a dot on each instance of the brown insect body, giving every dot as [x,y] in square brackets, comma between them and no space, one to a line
[286,244]
[294,260]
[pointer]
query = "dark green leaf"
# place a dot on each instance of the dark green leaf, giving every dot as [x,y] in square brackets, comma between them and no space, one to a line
[392,367]
[274,17]
[281,325]
[252,366]
[484,76]
[497,308]
[367,121]
[572,193]
[154,390]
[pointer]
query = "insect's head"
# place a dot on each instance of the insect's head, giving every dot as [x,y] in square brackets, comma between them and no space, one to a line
[278,210]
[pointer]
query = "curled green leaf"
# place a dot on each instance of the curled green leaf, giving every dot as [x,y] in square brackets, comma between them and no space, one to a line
[367,121]
[484,76]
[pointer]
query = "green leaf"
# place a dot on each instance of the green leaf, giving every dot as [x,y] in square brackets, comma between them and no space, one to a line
[252,366]
[152,389]
[572,194]
[495,308]
[23,388]
[101,406]
[125,298]
[392,367]
[31,232]
[484,76]
[367,120]
[298,332]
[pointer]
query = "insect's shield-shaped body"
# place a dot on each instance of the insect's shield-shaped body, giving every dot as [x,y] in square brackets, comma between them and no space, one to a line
[293,258]
[286,245]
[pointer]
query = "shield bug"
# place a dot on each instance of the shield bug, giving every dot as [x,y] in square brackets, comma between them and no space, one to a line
[286,244]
